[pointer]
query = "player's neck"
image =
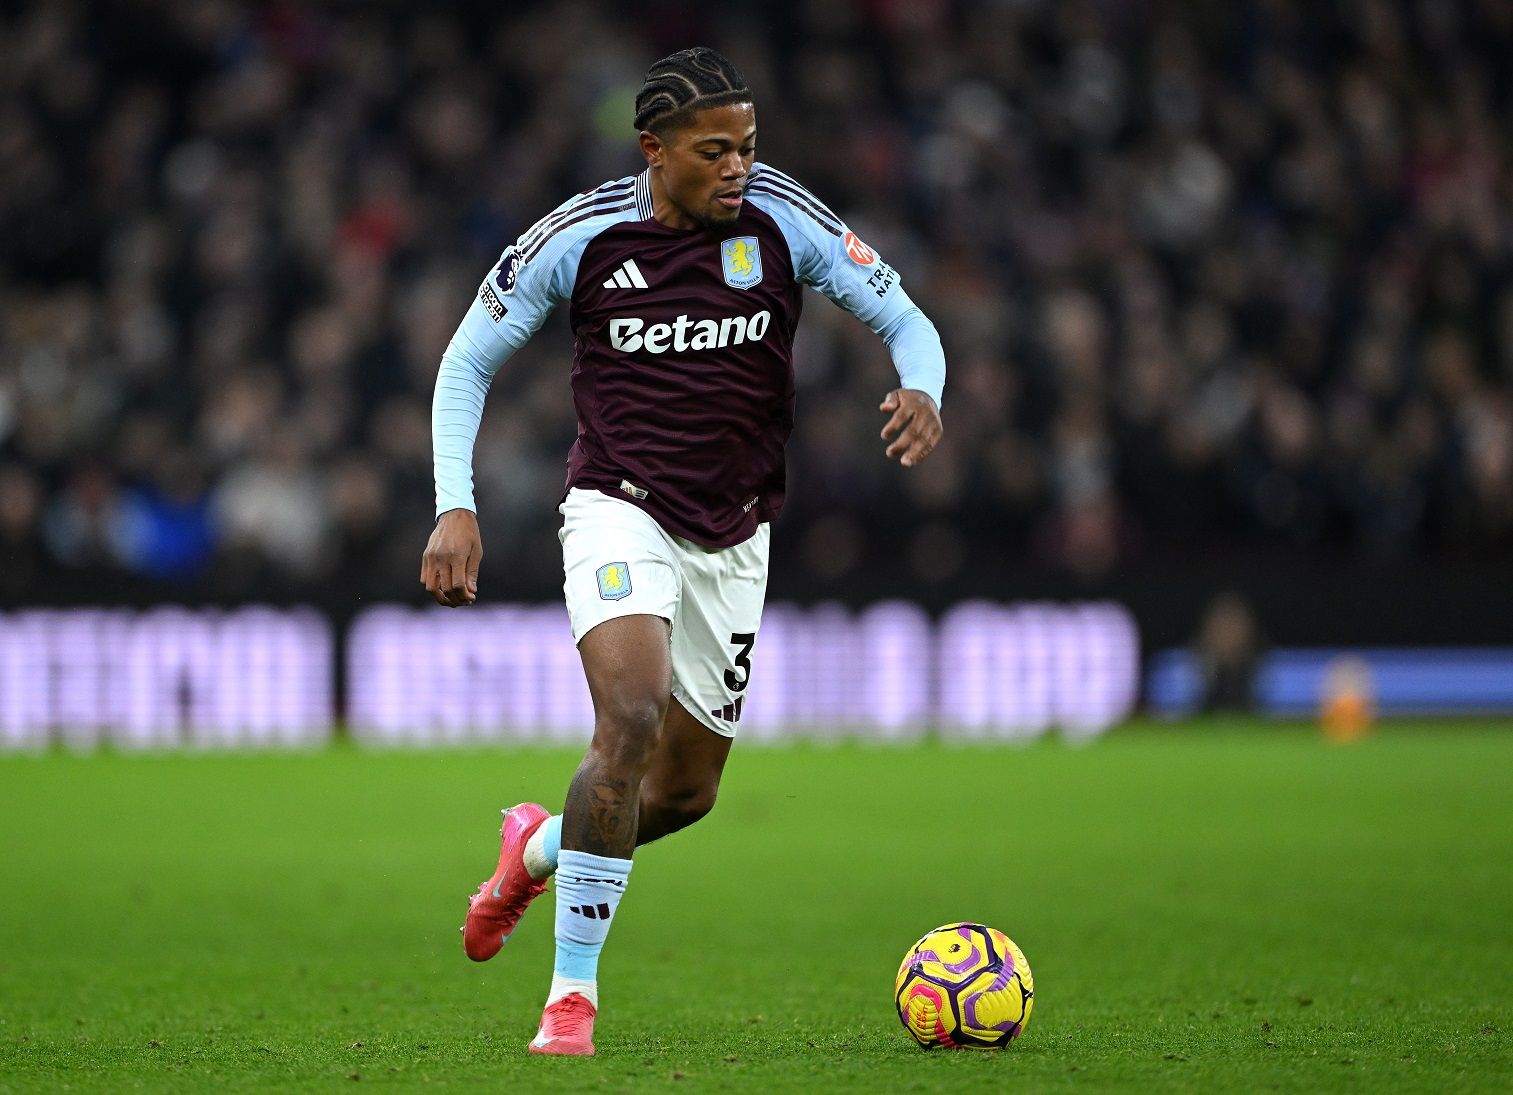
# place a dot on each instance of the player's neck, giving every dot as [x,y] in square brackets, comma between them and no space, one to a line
[667,212]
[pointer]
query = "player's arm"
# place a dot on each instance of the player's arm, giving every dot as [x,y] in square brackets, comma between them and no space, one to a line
[502,318]
[856,277]
[914,425]
[829,256]
[449,567]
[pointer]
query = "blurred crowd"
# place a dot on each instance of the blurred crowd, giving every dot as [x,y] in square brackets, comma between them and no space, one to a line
[1209,276]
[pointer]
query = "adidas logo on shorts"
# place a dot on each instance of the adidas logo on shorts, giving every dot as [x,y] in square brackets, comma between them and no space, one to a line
[731,712]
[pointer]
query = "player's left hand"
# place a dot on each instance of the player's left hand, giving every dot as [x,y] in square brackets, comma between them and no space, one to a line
[918,417]
[449,568]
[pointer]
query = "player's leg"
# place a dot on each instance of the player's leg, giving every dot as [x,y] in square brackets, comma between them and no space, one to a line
[617,564]
[680,786]
[718,614]
[718,617]
[678,789]
[628,663]
[673,748]
[623,586]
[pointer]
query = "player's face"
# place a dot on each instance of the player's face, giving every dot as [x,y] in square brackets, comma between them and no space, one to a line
[704,165]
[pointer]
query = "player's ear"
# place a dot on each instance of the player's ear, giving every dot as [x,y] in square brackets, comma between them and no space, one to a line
[652,148]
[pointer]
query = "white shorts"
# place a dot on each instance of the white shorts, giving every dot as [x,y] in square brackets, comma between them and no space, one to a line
[617,561]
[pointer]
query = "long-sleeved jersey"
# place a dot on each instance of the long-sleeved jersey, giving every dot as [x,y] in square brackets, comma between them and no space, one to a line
[682,371]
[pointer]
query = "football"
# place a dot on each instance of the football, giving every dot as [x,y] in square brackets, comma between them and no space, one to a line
[964,986]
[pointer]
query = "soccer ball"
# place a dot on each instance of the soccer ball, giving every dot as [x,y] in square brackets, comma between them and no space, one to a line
[964,986]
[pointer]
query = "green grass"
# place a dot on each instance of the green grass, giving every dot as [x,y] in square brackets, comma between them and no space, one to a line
[1211,909]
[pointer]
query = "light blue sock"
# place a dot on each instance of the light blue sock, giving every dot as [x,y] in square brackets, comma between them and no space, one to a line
[551,839]
[589,888]
[542,850]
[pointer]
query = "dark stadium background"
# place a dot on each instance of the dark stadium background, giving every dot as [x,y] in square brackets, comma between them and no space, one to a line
[1225,289]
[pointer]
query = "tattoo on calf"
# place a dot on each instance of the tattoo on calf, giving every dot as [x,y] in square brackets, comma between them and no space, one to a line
[600,814]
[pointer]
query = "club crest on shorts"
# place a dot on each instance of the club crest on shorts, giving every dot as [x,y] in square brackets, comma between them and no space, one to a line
[614,581]
[742,260]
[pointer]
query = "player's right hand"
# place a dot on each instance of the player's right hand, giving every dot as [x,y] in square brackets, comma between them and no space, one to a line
[449,568]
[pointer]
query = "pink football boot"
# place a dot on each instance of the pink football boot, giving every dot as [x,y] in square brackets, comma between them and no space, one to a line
[567,1029]
[499,903]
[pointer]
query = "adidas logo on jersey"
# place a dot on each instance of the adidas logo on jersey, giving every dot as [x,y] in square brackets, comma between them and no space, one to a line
[627,277]
[629,335]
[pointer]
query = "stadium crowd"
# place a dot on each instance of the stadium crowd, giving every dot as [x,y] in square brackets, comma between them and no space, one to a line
[1207,276]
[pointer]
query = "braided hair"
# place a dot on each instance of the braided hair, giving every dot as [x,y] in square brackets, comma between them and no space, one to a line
[680,85]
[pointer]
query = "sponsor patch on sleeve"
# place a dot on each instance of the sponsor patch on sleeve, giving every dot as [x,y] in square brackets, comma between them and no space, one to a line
[860,253]
[882,279]
[491,301]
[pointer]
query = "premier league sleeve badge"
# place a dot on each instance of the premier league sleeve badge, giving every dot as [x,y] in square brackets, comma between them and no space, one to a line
[507,271]
[742,260]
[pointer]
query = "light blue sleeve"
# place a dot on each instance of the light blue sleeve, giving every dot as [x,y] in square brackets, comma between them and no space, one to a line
[511,305]
[467,369]
[829,256]
[533,275]
[914,344]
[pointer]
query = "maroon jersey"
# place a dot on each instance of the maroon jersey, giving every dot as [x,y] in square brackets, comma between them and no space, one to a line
[683,341]
[685,389]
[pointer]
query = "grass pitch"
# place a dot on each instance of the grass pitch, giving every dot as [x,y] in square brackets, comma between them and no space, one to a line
[1218,908]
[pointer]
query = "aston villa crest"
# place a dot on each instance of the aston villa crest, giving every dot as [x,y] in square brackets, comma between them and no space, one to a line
[742,261]
[614,581]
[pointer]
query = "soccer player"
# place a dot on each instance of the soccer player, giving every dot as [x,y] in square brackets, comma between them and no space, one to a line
[684,285]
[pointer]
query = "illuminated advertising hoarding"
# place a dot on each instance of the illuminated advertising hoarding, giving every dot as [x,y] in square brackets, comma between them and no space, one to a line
[262,677]
[433,675]
[171,676]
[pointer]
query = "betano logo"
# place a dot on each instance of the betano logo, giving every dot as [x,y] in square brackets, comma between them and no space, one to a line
[629,335]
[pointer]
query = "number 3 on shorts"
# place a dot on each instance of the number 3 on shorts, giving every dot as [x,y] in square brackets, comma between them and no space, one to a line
[745,640]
